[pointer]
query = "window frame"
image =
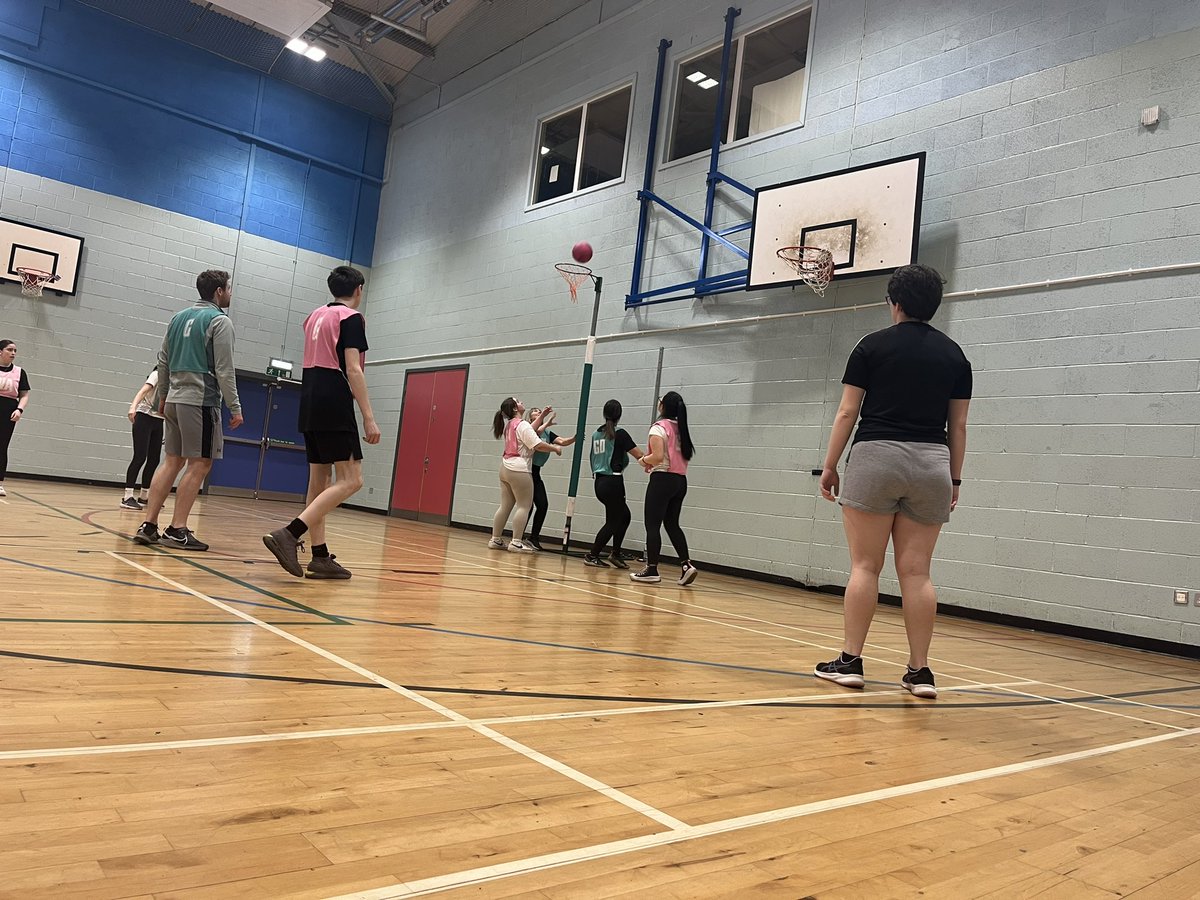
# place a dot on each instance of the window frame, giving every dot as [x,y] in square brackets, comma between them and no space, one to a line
[737,53]
[531,203]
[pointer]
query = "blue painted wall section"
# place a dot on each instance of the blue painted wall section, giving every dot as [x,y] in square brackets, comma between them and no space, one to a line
[178,128]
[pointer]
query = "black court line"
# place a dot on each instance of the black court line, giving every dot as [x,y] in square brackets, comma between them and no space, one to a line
[191,562]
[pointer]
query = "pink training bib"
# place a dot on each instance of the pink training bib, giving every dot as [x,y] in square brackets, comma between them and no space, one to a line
[322,329]
[510,439]
[10,383]
[676,464]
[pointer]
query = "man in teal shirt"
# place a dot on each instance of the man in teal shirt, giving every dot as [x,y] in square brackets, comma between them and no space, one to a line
[195,372]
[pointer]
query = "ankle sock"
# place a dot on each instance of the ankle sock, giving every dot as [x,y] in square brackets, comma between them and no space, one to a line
[128,493]
[297,528]
[846,657]
[320,550]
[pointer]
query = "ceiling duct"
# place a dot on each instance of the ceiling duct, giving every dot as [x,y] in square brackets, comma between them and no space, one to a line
[365,20]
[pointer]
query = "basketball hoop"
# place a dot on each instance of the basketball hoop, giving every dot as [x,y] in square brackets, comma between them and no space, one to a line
[575,275]
[813,264]
[33,280]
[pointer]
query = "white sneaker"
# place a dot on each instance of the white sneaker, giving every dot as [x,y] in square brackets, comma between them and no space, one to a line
[688,575]
[3,493]
[496,544]
[520,547]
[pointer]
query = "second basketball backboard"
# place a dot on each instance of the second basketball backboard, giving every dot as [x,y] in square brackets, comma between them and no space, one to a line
[868,217]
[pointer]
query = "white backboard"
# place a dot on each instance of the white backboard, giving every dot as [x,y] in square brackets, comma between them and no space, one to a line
[40,248]
[868,217]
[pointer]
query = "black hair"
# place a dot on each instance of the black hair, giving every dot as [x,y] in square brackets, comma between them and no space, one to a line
[6,343]
[507,410]
[917,290]
[673,407]
[344,281]
[209,282]
[612,415]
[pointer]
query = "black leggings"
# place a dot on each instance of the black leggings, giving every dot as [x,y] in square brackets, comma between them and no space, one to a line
[610,490]
[541,505]
[664,501]
[147,445]
[6,432]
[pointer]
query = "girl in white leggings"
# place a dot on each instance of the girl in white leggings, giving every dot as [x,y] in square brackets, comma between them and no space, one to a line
[521,441]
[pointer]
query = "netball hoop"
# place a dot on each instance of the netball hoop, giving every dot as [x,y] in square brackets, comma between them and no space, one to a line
[33,280]
[813,264]
[575,275]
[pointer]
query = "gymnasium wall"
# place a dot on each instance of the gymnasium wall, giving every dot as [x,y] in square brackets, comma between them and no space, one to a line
[1081,501]
[167,160]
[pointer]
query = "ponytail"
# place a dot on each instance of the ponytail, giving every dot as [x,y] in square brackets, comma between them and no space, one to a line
[673,407]
[507,410]
[612,415]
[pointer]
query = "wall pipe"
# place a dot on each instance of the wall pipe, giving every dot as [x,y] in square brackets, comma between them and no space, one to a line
[799,314]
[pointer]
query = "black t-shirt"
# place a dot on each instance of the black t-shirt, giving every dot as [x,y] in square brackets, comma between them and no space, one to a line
[621,447]
[326,401]
[9,404]
[910,373]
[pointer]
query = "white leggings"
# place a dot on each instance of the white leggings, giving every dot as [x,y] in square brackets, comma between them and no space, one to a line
[516,490]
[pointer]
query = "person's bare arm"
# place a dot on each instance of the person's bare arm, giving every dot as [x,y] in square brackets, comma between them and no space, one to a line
[839,436]
[956,435]
[358,387]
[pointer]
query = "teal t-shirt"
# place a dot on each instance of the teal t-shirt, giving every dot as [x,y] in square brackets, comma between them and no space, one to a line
[543,457]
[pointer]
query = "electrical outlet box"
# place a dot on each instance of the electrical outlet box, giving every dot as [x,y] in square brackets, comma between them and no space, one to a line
[1181,598]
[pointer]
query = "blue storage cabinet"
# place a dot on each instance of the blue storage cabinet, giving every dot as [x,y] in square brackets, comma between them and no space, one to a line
[264,458]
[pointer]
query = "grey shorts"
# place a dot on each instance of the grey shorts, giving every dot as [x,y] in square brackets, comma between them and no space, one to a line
[888,477]
[193,432]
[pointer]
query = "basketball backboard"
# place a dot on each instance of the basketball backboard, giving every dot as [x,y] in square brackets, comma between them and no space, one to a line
[28,246]
[868,217]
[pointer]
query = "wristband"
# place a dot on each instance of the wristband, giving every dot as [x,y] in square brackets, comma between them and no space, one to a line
[956,481]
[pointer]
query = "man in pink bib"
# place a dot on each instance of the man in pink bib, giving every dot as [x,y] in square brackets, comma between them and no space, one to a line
[335,346]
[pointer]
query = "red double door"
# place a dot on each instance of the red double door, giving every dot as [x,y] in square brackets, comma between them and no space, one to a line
[431,419]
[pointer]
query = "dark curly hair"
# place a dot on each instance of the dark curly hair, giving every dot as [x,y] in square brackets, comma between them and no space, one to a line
[917,290]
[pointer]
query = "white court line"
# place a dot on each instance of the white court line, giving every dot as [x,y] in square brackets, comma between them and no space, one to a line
[235,740]
[483,874]
[528,752]
[575,587]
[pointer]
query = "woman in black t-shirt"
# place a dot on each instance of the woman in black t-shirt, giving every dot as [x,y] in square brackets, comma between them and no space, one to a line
[610,452]
[912,386]
[14,395]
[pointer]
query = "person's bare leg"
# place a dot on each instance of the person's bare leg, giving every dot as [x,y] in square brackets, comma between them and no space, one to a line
[318,482]
[160,486]
[913,543]
[867,535]
[189,487]
[330,497]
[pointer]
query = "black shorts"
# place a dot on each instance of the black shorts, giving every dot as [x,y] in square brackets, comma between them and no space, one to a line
[328,447]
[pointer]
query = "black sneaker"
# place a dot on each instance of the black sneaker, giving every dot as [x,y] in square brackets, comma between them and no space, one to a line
[595,562]
[647,575]
[617,562]
[326,567]
[919,683]
[131,503]
[183,539]
[146,534]
[847,674]
[687,574]
[535,543]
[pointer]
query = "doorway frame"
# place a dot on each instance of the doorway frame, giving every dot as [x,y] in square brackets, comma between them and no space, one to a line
[465,368]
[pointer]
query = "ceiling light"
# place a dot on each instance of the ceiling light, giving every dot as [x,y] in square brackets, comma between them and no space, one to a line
[696,76]
[297,46]
[712,82]
[316,54]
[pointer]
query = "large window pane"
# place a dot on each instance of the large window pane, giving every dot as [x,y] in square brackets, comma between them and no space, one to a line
[604,138]
[774,69]
[558,148]
[696,89]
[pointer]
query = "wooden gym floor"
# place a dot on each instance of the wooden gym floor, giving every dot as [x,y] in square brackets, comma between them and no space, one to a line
[475,724]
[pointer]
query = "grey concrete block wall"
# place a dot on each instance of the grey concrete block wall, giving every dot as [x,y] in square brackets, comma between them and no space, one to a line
[1082,501]
[87,355]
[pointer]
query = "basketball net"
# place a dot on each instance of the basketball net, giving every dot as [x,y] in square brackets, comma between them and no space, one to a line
[575,275]
[813,264]
[33,280]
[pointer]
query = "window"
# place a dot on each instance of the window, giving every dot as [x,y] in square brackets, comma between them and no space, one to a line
[583,147]
[768,74]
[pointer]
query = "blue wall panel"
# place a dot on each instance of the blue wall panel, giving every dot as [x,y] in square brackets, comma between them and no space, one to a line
[115,108]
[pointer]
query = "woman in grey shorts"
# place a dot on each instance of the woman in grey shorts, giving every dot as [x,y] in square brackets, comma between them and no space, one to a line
[912,385]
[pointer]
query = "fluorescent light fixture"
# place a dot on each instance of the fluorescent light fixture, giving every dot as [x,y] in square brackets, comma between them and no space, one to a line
[284,364]
[711,82]
[545,150]
[297,46]
[316,54]
[696,76]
